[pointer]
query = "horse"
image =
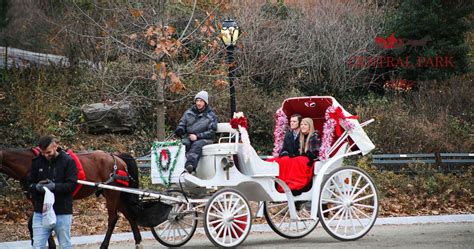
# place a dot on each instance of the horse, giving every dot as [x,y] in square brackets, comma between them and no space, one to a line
[98,167]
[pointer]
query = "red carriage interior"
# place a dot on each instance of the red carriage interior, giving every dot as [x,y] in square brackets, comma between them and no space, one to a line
[312,107]
[309,107]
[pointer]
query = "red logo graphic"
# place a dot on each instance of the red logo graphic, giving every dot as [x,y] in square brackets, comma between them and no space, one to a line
[390,42]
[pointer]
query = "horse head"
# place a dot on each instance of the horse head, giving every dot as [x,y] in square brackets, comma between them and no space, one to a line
[16,163]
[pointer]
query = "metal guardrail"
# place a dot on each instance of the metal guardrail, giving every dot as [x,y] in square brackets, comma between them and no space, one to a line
[445,162]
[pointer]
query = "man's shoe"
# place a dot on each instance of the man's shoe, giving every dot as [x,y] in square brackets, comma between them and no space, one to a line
[189,168]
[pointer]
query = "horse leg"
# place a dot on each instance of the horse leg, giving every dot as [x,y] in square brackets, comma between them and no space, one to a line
[133,224]
[30,228]
[112,221]
[51,242]
[112,201]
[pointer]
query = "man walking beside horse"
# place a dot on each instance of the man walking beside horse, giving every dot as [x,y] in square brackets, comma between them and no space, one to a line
[55,170]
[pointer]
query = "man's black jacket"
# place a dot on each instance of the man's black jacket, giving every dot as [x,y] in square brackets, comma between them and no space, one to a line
[62,171]
[291,146]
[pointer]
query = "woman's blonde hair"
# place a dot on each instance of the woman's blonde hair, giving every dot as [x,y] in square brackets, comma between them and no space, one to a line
[305,144]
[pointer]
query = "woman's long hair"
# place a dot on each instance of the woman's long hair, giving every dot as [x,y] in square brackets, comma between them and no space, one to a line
[304,145]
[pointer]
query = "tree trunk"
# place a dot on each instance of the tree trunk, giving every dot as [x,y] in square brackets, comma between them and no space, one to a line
[160,110]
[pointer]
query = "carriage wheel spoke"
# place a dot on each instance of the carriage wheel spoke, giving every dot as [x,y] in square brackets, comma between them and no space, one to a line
[231,200]
[277,205]
[283,219]
[174,231]
[230,233]
[334,194]
[225,233]
[220,205]
[332,201]
[360,191]
[356,185]
[187,234]
[364,206]
[238,227]
[234,205]
[333,208]
[168,224]
[340,219]
[337,187]
[219,216]
[279,212]
[335,215]
[357,217]
[361,212]
[363,198]
[186,223]
[240,215]
[215,221]
[218,211]
[352,221]
[217,227]
[233,231]
[346,217]
[241,221]
[240,208]
[169,231]
[221,228]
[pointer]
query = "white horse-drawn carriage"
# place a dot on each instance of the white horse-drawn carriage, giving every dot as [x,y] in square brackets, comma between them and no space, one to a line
[230,174]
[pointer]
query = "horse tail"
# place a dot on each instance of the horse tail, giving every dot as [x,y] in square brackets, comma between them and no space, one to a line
[132,169]
[131,201]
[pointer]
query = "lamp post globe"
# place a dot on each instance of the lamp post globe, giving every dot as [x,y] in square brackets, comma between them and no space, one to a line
[230,33]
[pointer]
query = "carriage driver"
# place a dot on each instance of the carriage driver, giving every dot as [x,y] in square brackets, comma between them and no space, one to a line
[199,124]
[55,170]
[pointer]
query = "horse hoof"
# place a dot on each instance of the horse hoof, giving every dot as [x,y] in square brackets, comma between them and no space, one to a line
[139,246]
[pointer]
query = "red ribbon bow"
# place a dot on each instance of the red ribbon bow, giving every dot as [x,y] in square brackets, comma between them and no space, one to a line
[235,122]
[337,115]
[164,154]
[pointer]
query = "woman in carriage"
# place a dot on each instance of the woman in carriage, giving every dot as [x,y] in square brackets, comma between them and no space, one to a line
[297,172]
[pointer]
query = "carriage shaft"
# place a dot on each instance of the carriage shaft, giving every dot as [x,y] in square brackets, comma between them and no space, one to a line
[131,191]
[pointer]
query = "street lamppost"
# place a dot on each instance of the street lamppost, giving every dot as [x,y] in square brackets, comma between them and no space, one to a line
[230,32]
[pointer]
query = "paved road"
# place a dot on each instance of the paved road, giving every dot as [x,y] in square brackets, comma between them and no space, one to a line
[448,235]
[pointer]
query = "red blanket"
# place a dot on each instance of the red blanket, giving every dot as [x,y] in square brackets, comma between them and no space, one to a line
[81,175]
[294,172]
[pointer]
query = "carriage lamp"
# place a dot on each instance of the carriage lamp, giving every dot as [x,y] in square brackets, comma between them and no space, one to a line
[230,32]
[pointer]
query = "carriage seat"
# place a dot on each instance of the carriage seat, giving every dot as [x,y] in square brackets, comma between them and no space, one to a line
[226,132]
[255,166]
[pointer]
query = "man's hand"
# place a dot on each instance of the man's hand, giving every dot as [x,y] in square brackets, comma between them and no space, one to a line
[179,132]
[39,188]
[193,137]
[50,186]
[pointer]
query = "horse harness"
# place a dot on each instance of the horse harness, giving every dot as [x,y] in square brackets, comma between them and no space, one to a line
[119,176]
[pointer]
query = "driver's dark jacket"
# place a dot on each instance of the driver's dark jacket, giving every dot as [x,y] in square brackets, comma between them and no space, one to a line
[62,171]
[202,124]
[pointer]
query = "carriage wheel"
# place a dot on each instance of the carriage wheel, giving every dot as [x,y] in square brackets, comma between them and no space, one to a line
[180,226]
[278,218]
[348,204]
[227,218]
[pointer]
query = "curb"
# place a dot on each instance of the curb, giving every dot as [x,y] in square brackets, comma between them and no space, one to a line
[411,220]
